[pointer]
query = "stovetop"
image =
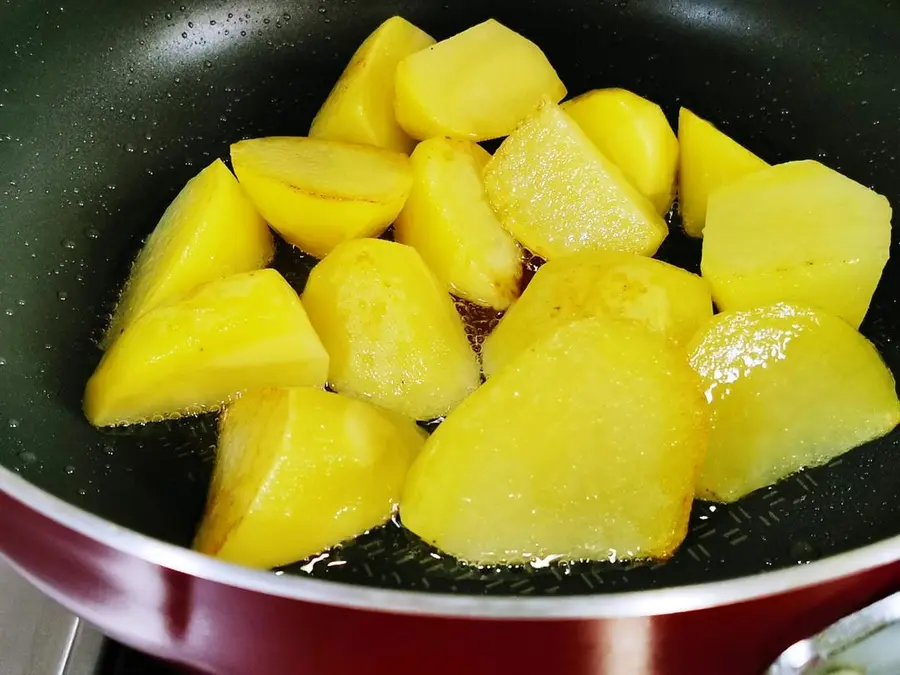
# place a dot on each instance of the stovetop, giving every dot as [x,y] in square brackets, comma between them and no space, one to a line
[38,637]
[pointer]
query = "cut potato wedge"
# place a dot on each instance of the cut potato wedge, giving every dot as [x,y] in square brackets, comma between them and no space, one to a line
[657,296]
[709,160]
[558,194]
[360,108]
[449,221]
[317,194]
[210,231]
[299,471]
[635,135]
[586,446]
[789,387]
[244,332]
[476,85]
[393,334]
[797,232]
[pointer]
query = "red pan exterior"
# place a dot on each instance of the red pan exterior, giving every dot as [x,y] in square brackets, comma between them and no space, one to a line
[229,631]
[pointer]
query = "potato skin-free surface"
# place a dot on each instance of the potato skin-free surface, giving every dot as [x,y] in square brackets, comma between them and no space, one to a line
[709,160]
[393,334]
[557,194]
[244,332]
[449,221]
[476,85]
[798,232]
[662,298]
[586,446]
[298,471]
[635,135]
[317,194]
[789,387]
[210,231]
[360,108]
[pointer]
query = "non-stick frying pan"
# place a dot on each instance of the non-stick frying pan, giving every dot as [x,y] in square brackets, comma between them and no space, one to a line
[107,108]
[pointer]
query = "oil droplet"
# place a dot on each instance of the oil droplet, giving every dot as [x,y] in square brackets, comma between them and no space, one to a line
[9,312]
[70,470]
[93,233]
[82,492]
[2,361]
[14,424]
[109,450]
[207,64]
[62,295]
[68,243]
[20,303]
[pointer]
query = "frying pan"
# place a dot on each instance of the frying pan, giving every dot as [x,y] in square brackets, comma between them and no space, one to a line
[107,108]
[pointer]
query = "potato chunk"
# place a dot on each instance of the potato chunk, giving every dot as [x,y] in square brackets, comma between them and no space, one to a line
[476,85]
[299,471]
[709,160]
[360,108]
[789,387]
[210,231]
[635,135]
[586,446]
[797,232]
[317,194]
[558,194]
[449,221]
[392,331]
[655,295]
[240,333]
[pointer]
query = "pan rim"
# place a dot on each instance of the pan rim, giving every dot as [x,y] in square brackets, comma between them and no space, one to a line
[654,602]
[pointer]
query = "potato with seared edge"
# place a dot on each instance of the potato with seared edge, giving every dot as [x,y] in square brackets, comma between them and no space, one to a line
[662,298]
[635,135]
[393,334]
[585,446]
[557,194]
[360,107]
[449,221]
[788,387]
[247,331]
[798,232]
[476,85]
[299,471]
[210,231]
[317,194]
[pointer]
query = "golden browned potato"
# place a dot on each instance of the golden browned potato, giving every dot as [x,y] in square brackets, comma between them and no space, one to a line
[635,135]
[299,471]
[797,232]
[657,296]
[244,332]
[317,194]
[585,446]
[709,160]
[210,231]
[449,221]
[360,108]
[788,387]
[558,194]
[476,85]
[393,334]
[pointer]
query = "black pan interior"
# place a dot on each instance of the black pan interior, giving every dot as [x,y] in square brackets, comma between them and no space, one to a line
[106,109]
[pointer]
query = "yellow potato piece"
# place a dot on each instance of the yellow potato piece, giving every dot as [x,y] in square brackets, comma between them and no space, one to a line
[635,135]
[797,232]
[657,296]
[449,221]
[393,334]
[240,333]
[709,160]
[210,231]
[476,85]
[789,387]
[586,446]
[558,194]
[317,194]
[299,471]
[360,108]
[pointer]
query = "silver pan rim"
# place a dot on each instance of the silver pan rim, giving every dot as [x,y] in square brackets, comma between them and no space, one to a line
[654,602]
